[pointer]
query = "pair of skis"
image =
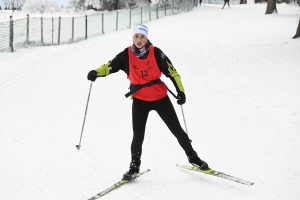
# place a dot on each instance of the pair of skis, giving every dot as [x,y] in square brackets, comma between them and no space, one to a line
[188,167]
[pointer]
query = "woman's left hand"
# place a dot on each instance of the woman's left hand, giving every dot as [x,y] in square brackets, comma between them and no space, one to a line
[181,98]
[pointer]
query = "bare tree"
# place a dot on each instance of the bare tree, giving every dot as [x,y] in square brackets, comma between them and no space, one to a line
[107,4]
[93,3]
[19,4]
[116,4]
[10,3]
[104,4]
[271,7]
[77,4]
[297,32]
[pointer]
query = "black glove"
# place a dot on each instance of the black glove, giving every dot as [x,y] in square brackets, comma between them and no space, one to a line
[181,98]
[92,75]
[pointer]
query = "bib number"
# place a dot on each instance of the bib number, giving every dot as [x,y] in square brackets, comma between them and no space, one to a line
[144,73]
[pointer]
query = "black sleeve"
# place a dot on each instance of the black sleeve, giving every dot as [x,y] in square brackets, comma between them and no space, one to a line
[120,62]
[162,61]
[166,67]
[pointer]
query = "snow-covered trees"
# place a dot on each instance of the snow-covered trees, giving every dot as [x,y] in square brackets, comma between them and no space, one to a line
[14,4]
[77,4]
[104,4]
[40,6]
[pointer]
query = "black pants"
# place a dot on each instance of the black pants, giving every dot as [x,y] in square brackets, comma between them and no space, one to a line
[165,109]
[225,4]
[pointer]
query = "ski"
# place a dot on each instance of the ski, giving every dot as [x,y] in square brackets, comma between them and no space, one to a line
[216,173]
[116,185]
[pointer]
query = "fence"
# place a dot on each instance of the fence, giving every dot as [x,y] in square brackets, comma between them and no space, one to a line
[43,31]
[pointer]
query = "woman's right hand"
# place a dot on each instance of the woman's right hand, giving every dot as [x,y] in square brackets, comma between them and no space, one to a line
[92,75]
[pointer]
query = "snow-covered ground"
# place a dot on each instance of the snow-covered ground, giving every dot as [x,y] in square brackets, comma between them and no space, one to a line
[241,72]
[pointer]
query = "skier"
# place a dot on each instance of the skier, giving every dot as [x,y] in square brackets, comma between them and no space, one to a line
[226,1]
[144,63]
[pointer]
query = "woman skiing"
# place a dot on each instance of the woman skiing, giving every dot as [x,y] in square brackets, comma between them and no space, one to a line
[144,63]
[226,1]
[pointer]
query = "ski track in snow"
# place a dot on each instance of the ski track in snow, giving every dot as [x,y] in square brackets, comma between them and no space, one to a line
[32,67]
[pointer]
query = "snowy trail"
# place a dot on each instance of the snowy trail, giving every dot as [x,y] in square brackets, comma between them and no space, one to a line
[241,75]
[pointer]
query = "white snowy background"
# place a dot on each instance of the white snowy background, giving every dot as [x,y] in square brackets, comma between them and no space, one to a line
[241,72]
[60,2]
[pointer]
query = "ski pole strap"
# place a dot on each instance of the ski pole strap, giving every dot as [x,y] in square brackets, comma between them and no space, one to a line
[176,97]
[170,90]
[135,88]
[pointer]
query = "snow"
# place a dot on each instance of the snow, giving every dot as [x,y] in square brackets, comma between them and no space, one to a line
[241,72]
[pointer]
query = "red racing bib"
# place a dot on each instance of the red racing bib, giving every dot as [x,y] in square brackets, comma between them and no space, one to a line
[144,71]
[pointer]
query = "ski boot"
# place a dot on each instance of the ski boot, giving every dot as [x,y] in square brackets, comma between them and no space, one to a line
[197,162]
[134,169]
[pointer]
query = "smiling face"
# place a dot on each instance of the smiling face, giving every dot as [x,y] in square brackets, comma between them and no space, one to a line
[139,40]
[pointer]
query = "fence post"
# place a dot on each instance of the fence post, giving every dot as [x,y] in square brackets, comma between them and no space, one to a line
[130,17]
[102,23]
[72,29]
[117,19]
[11,34]
[27,30]
[141,14]
[86,26]
[52,29]
[165,9]
[58,39]
[157,11]
[42,39]
[149,12]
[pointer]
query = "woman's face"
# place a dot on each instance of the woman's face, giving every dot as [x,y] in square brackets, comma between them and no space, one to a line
[139,40]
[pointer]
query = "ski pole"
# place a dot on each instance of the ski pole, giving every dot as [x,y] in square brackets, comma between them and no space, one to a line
[181,111]
[185,122]
[79,145]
